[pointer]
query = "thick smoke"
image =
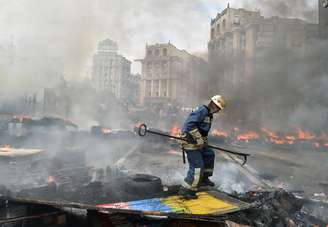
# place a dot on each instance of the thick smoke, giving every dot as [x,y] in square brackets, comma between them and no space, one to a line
[303,9]
[71,30]
[287,90]
[55,39]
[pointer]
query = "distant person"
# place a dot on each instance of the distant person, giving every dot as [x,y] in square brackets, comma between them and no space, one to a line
[200,158]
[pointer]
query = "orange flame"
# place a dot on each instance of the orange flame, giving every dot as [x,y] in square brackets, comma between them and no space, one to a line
[247,136]
[304,135]
[270,133]
[105,130]
[274,138]
[175,130]
[51,180]
[219,133]
[290,139]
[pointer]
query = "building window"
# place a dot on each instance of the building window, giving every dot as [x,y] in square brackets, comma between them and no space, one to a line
[165,52]
[218,29]
[163,88]
[224,24]
[149,53]
[243,41]
[236,20]
[164,63]
[148,88]
[212,33]
[156,88]
[157,52]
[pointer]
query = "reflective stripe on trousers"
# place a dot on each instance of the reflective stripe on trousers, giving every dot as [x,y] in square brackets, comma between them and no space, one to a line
[196,166]
[201,163]
[194,184]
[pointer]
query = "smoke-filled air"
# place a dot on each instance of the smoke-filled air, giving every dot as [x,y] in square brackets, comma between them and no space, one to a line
[163,113]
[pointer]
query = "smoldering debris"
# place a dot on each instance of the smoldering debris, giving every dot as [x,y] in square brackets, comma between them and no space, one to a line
[273,208]
[277,208]
[81,175]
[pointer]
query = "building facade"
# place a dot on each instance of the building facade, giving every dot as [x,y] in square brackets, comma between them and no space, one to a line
[227,47]
[111,72]
[170,75]
[243,42]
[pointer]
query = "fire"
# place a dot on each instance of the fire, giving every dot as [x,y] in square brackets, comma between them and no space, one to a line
[219,133]
[290,139]
[51,180]
[274,138]
[105,130]
[175,130]
[270,133]
[304,135]
[317,141]
[247,136]
[277,141]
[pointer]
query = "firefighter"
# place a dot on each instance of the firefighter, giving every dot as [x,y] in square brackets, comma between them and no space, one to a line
[200,158]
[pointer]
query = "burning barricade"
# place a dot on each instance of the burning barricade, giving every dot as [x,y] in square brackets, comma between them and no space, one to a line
[297,138]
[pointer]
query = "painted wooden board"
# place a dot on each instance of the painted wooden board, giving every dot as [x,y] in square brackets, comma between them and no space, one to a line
[207,203]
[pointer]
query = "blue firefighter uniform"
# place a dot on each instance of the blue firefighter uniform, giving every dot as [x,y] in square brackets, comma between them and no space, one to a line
[201,160]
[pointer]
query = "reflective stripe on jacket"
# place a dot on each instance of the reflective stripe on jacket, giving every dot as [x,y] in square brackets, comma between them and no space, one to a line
[201,119]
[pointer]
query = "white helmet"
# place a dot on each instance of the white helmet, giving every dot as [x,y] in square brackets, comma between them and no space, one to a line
[219,101]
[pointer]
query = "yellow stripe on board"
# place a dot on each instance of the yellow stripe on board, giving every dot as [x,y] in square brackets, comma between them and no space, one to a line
[204,204]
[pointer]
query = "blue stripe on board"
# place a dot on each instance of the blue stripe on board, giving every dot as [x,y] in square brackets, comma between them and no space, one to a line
[149,205]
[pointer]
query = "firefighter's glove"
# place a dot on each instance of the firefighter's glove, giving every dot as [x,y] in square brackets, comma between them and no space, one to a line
[198,138]
[183,142]
[205,140]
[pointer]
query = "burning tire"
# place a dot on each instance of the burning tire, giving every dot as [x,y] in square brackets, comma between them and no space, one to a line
[143,184]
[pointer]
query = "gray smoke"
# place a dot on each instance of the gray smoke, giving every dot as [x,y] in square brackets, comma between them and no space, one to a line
[303,9]
[55,39]
[70,30]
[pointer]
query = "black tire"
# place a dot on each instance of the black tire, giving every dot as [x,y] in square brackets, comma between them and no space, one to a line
[143,185]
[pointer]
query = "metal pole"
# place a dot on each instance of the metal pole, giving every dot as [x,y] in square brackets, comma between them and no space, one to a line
[143,130]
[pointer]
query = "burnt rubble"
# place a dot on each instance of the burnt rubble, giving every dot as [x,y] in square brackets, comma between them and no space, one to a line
[276,208]
[64,174]
[272,209]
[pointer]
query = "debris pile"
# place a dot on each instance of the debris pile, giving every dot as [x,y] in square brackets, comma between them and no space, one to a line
[277,208]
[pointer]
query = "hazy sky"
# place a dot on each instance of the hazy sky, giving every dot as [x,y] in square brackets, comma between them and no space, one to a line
[70,29]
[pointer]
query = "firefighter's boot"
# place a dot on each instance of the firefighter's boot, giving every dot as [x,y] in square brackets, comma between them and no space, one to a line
[187,193]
